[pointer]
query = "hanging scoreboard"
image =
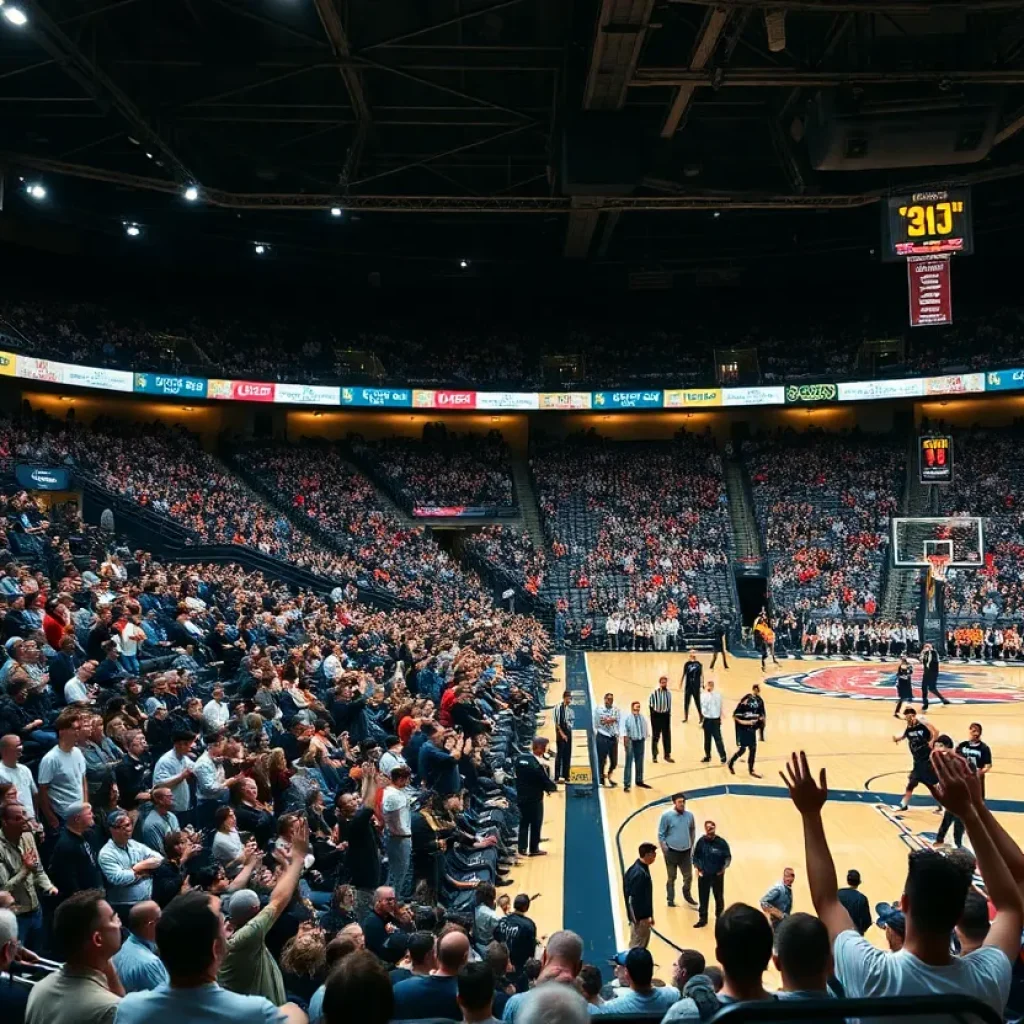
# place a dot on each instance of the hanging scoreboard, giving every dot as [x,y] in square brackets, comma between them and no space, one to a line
[928,223]
[936,460]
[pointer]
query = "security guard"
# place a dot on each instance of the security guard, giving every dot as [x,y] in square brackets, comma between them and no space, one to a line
[532,782]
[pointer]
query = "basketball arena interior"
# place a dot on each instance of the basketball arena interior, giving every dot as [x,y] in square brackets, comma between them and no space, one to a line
[510,511]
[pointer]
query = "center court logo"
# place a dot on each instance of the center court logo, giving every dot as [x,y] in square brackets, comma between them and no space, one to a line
[964,685]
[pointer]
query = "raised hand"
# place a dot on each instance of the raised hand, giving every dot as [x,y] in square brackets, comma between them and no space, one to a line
[808,795]
[300,840]
[954,790]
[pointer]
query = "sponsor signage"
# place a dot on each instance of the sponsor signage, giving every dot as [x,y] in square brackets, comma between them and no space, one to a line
[1004,380]
[954,384]
[754,396]
[936,460]
[566,400]
[627,399]
[931,298]
[98,377]
[383,398]
[43,478]
[307,394]
[240,390]
[163,384]
[808,393]
[692,397]
[444,399]
[41,369]
[507,400]
[867,390]
[8,364]
[217,388]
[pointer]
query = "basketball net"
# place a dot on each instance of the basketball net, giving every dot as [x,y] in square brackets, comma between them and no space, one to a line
[938,566]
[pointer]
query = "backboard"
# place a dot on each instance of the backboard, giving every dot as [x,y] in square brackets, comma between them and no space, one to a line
[962,538]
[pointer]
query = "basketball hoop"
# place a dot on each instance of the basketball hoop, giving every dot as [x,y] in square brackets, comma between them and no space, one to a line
[938,566]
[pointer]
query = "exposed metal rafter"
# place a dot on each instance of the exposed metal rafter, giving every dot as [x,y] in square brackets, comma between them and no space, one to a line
[618,39]
[865,6]
[715,20]
[334,29]
[791,77]
[51,38]
[677,197]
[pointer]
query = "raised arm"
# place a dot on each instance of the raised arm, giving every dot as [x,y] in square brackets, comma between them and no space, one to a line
[958,796]
[284,890]
[809,798]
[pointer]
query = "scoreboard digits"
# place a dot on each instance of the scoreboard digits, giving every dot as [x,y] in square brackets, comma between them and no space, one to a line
[932,219]
[936,460]
[927,223]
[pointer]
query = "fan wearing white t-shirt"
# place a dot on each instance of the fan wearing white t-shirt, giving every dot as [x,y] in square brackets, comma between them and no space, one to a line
[397,811]
[932,902]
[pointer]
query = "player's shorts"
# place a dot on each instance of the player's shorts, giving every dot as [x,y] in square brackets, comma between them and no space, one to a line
[922,774]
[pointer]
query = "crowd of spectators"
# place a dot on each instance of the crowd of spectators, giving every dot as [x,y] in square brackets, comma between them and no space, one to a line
[266,344]
[988,469]
[823,503]
[636,534]
[196,750]
[442,470]
[167,471]
[362,540]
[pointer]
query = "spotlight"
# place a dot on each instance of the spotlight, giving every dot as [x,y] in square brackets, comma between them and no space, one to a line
[16,16]
[260,248]
[36,191]
[463,264]
[717,214]
[132,230]
[149,155]
[191,193]
[336,211]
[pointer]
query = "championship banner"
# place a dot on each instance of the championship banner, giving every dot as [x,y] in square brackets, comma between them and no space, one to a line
[931,299]
[802,394]
[627,399]
[382,398]
[690,398]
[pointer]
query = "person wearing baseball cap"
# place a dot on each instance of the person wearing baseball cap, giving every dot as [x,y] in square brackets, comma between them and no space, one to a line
[642,997]
[891,920]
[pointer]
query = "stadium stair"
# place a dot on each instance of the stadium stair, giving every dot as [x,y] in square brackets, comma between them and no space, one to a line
[527,500]
[746,538]
[902,586]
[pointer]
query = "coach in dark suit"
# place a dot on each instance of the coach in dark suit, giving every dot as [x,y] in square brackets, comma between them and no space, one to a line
[532,782]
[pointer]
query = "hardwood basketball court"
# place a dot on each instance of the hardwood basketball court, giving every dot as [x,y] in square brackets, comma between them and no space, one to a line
[839,712]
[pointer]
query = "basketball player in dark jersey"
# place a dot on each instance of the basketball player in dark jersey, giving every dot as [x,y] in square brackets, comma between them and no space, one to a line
[904,685]
[920,737]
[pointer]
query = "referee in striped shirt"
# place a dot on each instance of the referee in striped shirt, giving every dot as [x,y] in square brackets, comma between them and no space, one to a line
[660,706]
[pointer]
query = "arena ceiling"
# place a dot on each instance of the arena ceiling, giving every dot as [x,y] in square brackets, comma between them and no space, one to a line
[607,132]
